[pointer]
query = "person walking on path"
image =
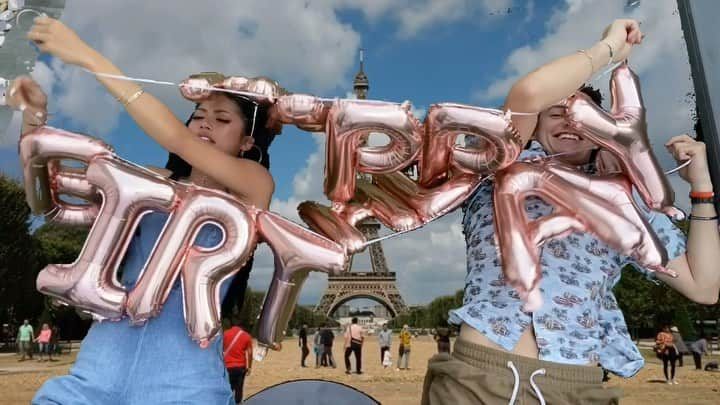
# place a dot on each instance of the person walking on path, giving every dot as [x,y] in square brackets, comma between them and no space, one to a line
[326,340]
[302,343]
[43,340]
[698,348]
[54,339]
[665,347]
[680,346]
[353,344]
[385,341]
[25,338]
[404,350]
[317,347]
[237,351]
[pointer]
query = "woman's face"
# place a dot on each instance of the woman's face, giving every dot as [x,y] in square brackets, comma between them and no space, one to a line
[557,136]
[219,121]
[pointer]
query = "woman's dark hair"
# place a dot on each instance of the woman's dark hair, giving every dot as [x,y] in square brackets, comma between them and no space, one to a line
[263,137]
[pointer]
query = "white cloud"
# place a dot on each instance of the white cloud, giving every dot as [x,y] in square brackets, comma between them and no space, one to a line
[302,44]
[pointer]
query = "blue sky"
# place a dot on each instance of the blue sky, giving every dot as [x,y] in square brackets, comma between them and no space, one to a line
[424,51]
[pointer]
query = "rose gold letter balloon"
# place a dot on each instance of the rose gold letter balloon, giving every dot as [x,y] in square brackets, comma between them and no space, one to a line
[349,124]
[297,252]
[90,284]
[40,153]
[575,210]
[329,223]
[71,181]
[617,190]
[203,269]
[500,143]
[624,133]
[306,112]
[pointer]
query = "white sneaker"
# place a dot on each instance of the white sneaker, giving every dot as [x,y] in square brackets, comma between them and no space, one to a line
[668,382]
[674,381]
[2,40]
[7,28]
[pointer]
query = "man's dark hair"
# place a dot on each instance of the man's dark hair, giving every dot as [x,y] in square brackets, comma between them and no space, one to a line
[593,93]
[354,320]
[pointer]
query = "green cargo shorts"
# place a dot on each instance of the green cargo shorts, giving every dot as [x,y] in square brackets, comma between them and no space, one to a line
[475,374]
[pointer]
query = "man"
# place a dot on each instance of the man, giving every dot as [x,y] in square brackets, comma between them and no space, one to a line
[237,350]
[326,342]
[25,338]
[302,343]
[385,340]
[353,344]
[580,323]
[698,348]
[680,345]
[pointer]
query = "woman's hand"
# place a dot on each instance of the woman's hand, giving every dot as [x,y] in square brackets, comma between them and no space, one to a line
[697,173]
[55,38]
[27,96]
[621,36]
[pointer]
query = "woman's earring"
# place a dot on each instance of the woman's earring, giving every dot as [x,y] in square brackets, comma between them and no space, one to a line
[242,154]
[260,152]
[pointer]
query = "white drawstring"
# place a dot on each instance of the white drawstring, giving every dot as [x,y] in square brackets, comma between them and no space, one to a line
[535,387]
[516,386]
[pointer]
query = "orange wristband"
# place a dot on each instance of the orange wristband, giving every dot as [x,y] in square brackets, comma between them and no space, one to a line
[702,194]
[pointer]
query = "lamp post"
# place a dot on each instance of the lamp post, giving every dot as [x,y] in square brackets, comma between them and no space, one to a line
[699,24]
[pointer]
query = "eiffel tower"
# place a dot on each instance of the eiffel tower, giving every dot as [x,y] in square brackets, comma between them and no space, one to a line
[379,284]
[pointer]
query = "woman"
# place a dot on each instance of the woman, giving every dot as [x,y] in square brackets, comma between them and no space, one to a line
[665,347]
[405,338]
[43,341]
[156,362]
[504,354]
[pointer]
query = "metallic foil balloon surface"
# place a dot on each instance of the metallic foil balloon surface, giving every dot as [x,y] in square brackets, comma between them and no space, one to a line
[623,132]
[202,269]
[499,142]
[41,152]
[297,251]
[349,125]
[576,209]
[90,283]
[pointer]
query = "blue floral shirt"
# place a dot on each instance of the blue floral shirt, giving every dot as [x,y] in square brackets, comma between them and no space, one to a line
[580,321]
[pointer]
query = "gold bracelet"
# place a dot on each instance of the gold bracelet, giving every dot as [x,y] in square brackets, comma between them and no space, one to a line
[590,58]
[132,97]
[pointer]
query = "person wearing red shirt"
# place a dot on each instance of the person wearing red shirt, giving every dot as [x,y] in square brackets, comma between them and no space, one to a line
[237,350]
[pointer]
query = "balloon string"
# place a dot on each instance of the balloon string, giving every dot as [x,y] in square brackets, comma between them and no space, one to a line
[250,95]
[492,176]
[243,94]
[246,94]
